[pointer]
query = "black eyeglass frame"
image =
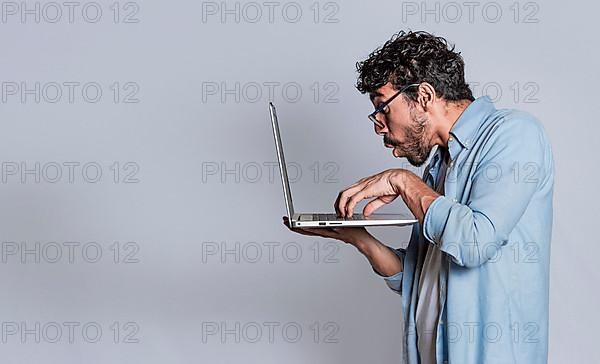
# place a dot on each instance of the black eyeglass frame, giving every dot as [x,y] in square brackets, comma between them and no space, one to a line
[372,116]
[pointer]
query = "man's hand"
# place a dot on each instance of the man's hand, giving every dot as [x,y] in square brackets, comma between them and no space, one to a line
[350,235]
[385,187]
[382,259]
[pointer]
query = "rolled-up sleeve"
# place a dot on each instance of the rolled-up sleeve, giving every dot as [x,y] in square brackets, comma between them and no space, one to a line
[471,233]
[394,282]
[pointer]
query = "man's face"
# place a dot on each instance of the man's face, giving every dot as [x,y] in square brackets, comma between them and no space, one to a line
[406,129]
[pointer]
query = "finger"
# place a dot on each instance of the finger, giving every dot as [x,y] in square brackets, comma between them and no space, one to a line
[355,199]
[377,203]
[287,225]
[346,195]
[286,221]
[336,204]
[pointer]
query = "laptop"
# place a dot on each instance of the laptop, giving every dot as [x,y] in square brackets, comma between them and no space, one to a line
[322,219]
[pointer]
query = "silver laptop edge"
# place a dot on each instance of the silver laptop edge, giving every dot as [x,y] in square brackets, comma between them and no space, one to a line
[282,166]
[306,220]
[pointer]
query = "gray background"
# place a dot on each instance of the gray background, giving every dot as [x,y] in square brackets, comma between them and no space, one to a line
[172,202]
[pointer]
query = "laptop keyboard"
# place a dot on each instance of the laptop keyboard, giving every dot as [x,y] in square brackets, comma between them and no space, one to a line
[333,217]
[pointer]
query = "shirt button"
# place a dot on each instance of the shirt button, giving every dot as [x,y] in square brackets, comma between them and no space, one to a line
[450,139]
[451,164]
[455,200]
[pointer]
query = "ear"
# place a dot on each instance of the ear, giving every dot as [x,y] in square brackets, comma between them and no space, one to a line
[425,95]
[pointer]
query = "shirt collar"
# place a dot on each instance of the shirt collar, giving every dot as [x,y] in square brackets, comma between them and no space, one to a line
[465,127]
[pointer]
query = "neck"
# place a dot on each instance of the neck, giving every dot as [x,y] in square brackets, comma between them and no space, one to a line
[451,113]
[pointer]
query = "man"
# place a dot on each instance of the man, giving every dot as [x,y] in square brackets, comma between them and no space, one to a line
[474,277]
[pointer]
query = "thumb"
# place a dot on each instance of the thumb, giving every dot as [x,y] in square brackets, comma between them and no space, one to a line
[377,203]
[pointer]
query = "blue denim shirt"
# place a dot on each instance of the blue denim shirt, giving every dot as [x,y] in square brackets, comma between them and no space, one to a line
[494,225]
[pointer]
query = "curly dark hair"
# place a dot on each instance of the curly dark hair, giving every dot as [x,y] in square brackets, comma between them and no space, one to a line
[415,57]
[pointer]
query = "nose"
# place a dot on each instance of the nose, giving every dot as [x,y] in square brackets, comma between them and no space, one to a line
[380,130]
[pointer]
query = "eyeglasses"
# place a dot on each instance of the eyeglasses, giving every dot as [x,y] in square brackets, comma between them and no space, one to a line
[372,116]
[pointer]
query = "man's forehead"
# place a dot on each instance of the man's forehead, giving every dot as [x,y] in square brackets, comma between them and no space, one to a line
[387,88]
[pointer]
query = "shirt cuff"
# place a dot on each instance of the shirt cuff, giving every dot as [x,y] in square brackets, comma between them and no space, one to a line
[435,218]
[394,282]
